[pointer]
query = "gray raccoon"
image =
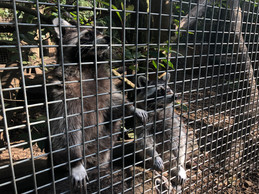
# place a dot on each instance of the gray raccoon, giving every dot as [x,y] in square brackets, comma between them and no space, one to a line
[95,124]
[168,127]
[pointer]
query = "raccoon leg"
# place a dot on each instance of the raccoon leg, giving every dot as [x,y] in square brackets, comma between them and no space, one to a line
[180,154]
[140,113]
[181,161]
[117,99]
[78,171]
[148,143]
[79,176]
[60,140]
[158,163]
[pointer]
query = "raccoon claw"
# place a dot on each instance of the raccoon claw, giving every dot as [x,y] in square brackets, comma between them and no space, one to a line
[162,184]
[181,175]
[80,184]
[142,114]
[158,164]
[79,177]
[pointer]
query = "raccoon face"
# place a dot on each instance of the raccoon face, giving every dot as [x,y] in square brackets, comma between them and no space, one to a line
[156,92]
[87,41]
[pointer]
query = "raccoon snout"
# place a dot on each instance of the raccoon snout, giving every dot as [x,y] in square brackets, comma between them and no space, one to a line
[107,39]
[103,40]
[169,91]
[172,96]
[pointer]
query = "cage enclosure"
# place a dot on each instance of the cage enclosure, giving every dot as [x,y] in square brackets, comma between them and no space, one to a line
[109,96]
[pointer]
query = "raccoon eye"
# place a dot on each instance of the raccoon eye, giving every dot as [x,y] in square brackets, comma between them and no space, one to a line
[88,35]
[161,92]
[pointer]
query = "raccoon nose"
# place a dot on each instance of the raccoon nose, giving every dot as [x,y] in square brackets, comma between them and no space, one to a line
[169,91]
[161,92]
[107,39]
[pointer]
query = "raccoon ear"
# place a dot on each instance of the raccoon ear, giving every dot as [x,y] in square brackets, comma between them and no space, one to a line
[142,81]
[62,23]
[166,77]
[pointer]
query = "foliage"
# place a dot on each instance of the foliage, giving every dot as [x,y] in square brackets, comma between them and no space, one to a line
[119,14]
[5,13]
[122,17]
[159,58]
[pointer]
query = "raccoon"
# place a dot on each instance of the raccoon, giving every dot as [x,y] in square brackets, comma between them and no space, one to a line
[167,131]
[89,136]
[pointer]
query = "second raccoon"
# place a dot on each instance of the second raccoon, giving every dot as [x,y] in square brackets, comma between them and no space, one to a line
[165,133]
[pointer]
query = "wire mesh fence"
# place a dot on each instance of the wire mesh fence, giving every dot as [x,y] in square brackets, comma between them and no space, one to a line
[129,96]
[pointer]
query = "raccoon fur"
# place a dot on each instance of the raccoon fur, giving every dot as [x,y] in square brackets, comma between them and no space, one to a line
[89,137]
[161,137]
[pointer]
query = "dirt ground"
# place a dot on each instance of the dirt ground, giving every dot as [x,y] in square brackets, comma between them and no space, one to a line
[202,175]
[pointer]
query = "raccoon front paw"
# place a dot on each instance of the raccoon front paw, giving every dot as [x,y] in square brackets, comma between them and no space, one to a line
[162,184]
[79,177]
[142,115]
[181,175]
[158,164]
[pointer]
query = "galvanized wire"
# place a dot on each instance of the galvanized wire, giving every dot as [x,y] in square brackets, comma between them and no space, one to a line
[209,73]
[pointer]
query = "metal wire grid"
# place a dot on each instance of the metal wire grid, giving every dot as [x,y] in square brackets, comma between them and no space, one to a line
[218,152]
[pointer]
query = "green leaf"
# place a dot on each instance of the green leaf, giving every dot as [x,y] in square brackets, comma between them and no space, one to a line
[172,51]
[119,15]
[176,22]
[185,108]
[128,54]
[74,15]
[162,65]
[131,135]
[54,14]
[154,64]
[113,7]
[133,67]
[169,63]
[129,8]
[139,55]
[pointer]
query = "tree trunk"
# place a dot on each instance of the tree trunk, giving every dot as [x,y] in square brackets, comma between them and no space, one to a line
[245,58]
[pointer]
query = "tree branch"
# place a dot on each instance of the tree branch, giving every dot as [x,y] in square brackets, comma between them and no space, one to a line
[249,71]
[125,79]
[191,17]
